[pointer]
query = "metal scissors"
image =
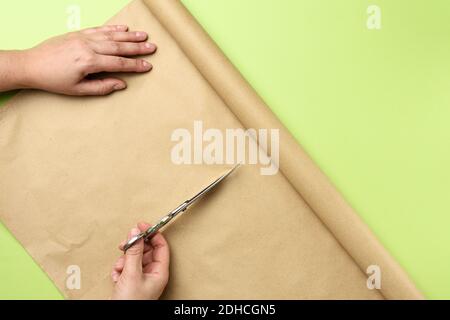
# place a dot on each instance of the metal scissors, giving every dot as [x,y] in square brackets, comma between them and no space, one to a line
[146,235]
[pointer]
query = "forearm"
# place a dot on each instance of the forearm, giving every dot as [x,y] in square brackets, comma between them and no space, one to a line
[12,70]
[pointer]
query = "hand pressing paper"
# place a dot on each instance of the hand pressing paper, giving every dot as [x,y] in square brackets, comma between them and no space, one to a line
[67,64]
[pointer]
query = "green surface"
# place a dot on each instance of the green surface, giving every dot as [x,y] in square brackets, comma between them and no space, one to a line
[370,106]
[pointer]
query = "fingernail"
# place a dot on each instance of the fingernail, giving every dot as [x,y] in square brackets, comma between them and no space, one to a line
[115,277]
[149,45]
[122,28]
[119,86]
[141,35]
[146,65]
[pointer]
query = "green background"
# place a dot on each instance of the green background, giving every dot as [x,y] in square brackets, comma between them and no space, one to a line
[370,106]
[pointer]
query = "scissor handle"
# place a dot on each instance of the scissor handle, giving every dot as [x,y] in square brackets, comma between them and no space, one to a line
[147,234]
[150,232]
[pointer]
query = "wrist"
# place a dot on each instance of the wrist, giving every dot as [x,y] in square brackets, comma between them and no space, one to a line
[13,70]
[22,70]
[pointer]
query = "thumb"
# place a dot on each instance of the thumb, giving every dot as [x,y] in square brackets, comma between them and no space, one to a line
[133,256]
[99,87]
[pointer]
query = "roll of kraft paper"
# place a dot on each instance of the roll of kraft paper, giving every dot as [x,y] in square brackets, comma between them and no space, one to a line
[77,172]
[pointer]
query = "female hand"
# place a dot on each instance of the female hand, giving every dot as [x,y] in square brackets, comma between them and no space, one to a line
[65,64]
[142,272]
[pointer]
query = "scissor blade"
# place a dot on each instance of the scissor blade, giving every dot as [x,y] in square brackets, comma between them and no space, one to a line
[181,208]
[212,185]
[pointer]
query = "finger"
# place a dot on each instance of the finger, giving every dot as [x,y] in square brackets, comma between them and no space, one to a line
[119,64]
[147,258]
[123,48]
[160,248]
[112,28]
[117,268]
[122,245]
[147,246]
[160,257]
[135,36]
[124,242]
[99,87]
[115,276]
[120,263]
[143,226]
[133,256]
